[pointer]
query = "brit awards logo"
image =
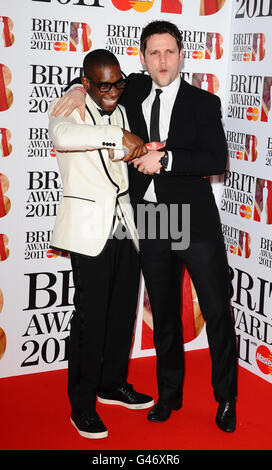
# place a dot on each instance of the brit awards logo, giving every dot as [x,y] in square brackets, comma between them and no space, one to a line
[6,34]
[36,244]
[238,194]
[248,47]
[60,35]
[250,98]
[44,194]
[48,82]
[47,317]
[40,146]
[237,241]
[242,147]
[201,45]
[123,40]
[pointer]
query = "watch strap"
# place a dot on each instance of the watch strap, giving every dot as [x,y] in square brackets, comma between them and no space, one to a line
[164,160]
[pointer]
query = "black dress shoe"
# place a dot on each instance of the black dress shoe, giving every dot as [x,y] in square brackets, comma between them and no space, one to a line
[162,410]
[226,416]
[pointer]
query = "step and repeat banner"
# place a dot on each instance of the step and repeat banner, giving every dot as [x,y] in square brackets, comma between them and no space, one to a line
[227,49]
[246,201]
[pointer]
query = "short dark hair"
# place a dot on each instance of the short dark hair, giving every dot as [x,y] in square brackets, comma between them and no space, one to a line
[160,27]
[99,58]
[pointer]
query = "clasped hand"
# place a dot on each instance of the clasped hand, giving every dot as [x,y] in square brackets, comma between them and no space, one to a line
[149,163]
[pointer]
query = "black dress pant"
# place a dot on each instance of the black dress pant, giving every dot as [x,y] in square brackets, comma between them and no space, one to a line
[207,265]
[105,301]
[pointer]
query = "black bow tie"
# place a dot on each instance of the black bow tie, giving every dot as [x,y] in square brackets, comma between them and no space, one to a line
[105,113]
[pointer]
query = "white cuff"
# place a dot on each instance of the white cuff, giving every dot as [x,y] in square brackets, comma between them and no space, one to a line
[170,160]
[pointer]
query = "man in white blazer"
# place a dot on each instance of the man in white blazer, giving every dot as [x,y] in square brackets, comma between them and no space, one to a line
[95,225]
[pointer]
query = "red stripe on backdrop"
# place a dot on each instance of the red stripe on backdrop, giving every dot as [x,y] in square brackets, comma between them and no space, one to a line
[187,311]
[4,142]
[6,32]
[2,248]
[210,82]
[218,46]
[171,6]
[3,97]
[84,37]
[2,205]
[210,6]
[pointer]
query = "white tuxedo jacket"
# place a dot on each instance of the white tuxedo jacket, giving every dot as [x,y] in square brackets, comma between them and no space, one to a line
[95,189]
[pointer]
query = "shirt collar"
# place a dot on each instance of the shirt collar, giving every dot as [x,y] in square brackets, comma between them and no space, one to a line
[170,90]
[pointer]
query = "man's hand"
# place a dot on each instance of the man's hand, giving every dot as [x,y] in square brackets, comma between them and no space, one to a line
[71,100]
[149,163]
[135,145]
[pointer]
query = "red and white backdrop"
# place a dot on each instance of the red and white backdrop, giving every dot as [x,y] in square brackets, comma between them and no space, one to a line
[227,50]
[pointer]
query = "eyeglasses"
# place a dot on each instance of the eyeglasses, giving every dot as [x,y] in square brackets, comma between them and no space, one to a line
[107,86]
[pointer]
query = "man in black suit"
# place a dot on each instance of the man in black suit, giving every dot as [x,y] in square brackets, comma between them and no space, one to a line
[177,176]
[190,123]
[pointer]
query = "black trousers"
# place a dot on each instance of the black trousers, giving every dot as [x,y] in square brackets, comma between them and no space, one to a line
[207,265]
[105,301]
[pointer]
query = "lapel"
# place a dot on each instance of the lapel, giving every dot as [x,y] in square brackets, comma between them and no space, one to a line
[115,171]
[92,115]
[180,111]
[141,124]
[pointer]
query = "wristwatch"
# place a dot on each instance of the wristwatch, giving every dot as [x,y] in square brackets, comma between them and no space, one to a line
[164,160]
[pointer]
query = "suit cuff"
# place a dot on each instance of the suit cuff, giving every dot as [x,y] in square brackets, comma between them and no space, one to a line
[170,161]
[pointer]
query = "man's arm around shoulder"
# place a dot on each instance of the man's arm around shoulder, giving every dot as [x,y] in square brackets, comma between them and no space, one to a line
[70,133]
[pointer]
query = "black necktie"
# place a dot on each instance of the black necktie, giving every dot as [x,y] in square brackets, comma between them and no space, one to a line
[155,118]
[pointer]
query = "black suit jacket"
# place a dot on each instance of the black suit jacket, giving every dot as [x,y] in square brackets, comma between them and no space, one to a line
[198,144]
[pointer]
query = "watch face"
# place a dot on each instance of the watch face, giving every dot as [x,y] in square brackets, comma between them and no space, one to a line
[164,160]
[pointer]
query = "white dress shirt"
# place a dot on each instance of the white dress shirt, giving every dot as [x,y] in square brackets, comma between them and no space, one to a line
[167,99]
